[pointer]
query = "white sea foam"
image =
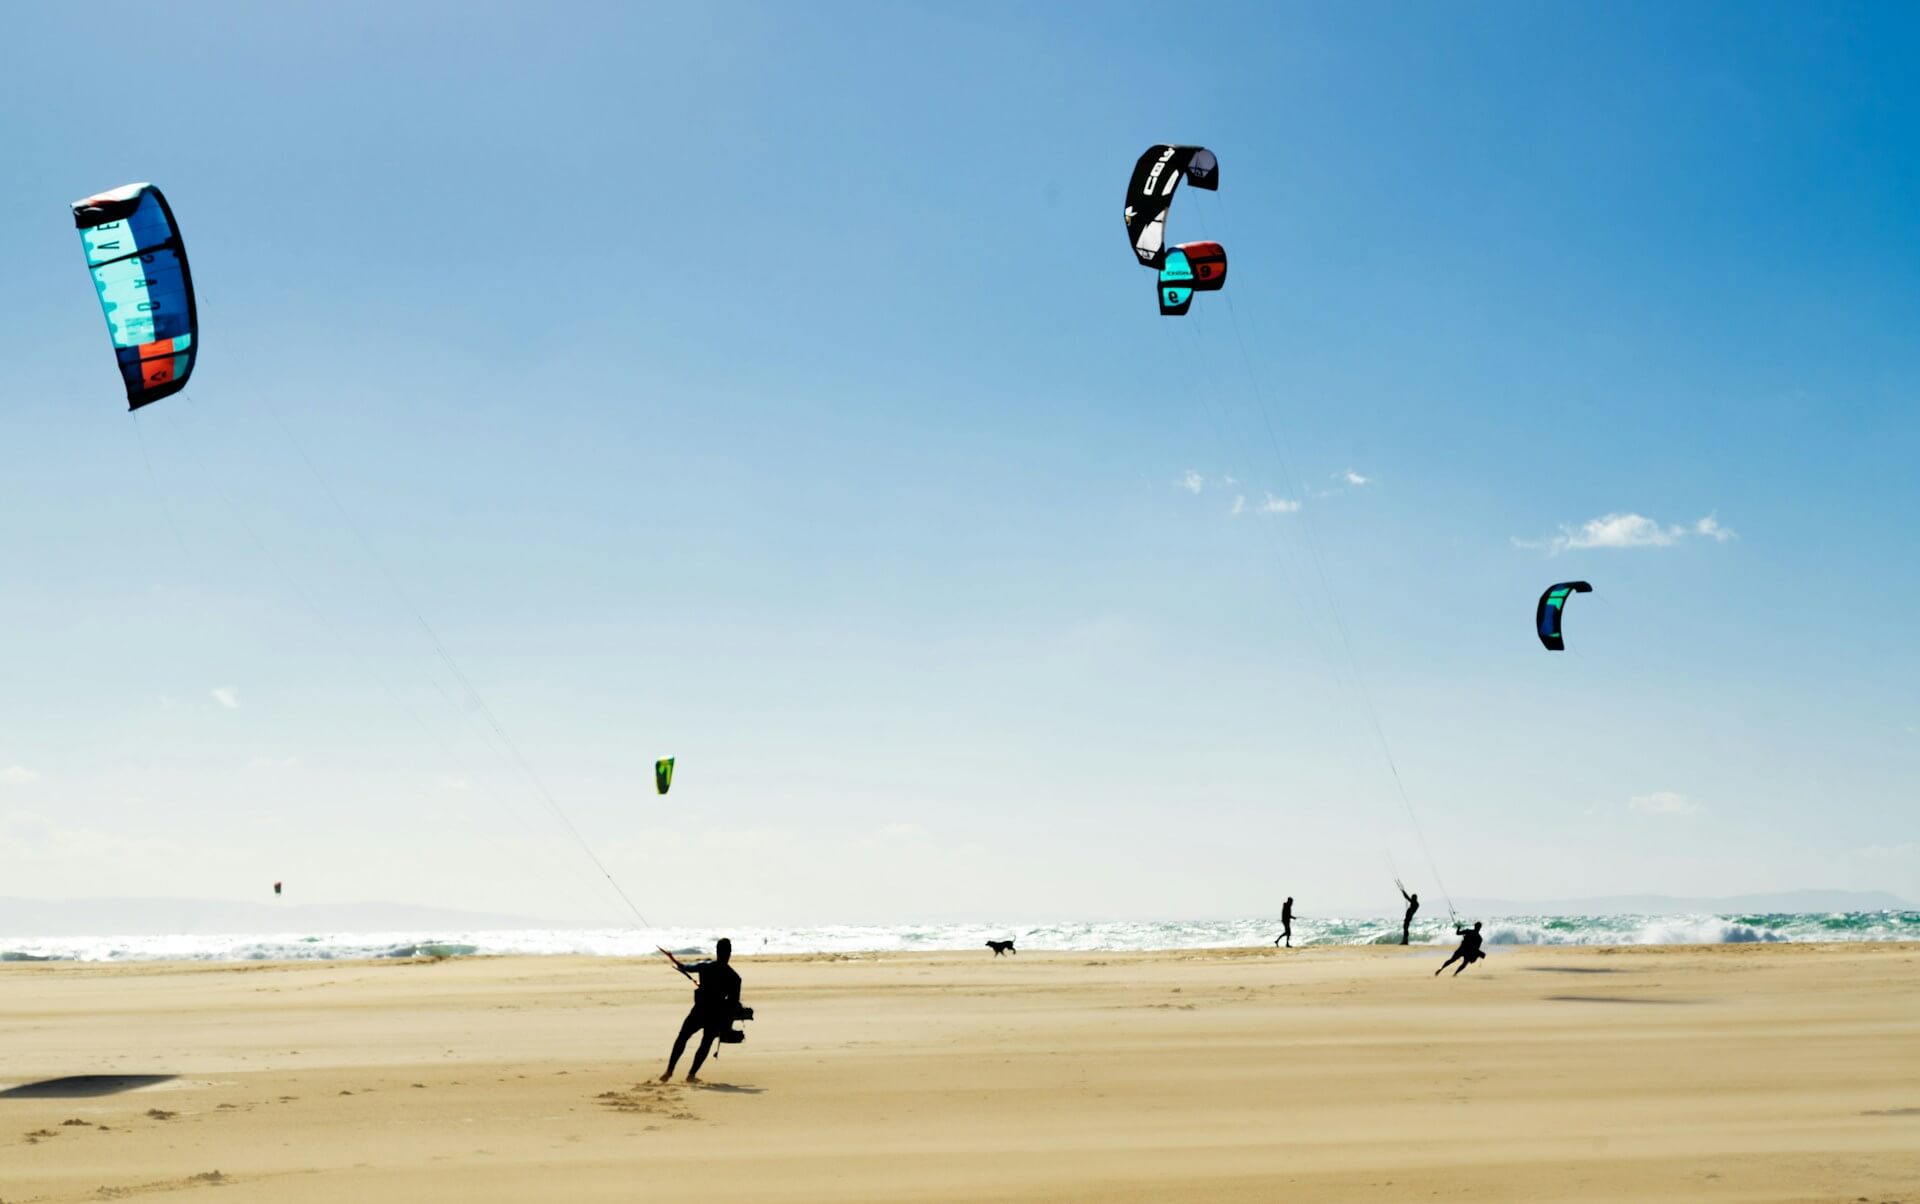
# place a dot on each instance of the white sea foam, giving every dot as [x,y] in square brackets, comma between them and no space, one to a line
[853,939]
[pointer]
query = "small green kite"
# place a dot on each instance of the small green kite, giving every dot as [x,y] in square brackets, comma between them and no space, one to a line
[663,774]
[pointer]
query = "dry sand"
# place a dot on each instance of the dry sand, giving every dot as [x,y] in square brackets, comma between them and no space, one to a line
[1787,1072]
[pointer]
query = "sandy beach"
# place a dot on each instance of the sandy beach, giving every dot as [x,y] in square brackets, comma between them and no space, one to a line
[1785,1072]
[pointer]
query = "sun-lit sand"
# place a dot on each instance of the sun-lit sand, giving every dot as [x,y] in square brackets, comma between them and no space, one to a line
[1786,1072]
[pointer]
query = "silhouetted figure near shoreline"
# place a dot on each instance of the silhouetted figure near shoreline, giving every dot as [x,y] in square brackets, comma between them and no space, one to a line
[1286,922]
[1413,905]
[716,1004]
[1468,952]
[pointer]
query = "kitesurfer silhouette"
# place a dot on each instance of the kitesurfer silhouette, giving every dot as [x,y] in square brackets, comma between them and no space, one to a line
[1468,952]
[1413,905]
[1286,922]
[716,1003]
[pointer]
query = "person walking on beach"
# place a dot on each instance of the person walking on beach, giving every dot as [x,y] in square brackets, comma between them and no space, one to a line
[1468,952]
[716,1001]
[1413,905]
[1286,922]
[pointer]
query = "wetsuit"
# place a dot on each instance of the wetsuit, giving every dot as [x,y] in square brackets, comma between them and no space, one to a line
[1286,923]
[1406,923]
[715,1001]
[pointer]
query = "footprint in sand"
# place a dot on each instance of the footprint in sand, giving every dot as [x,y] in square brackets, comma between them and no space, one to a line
[657,1099]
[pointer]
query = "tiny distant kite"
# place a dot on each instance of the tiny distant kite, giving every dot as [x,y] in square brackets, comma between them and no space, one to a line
[1546,617]
[663,774]
[276,888]
[139,267]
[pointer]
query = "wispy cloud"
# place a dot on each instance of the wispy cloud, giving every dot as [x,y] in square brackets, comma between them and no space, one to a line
[17,775]
[1355,479]
[1624,530]
[1192,482]
[1711,528]
[1890,852]
[1278,505]
[227,697]
[1663,802]
[1239,504]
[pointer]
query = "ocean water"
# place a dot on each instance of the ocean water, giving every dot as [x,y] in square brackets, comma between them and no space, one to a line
[1089,937]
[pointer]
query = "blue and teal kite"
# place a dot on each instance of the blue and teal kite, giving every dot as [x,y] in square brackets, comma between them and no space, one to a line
[139,268]
[1546,617]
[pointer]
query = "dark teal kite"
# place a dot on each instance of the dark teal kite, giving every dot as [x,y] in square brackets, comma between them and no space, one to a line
[1546,618]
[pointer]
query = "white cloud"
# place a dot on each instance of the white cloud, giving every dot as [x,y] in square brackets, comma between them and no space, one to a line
[1711,528]
[1229,481]
[1192,482]
[1355,479]
[1619,530]
[1278,505]
[1239,503]
[1663,802]
[17,775]
[227,697]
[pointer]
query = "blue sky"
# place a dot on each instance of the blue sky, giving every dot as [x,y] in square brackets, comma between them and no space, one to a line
[774,387]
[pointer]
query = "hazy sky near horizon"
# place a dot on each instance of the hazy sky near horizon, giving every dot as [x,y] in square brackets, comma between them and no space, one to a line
[773,387]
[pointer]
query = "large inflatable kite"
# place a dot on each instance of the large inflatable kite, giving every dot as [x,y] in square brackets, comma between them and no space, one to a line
[1188,267]
[139,268]
[1546,617]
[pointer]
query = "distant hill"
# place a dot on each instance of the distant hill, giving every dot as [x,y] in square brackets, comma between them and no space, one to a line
[194,917]
[1669,905]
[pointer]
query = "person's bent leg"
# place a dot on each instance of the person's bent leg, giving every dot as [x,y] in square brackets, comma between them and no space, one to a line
[687,1028]
[707,1036]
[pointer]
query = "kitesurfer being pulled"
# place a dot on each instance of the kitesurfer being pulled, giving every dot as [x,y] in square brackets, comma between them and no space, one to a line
[716,1004]
[1413,905]
[1286,923]
[1468,952]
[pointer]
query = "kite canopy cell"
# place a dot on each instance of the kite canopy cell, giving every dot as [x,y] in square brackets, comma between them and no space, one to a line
[139,268]
[1176,283]
[1150,194]
[1191,267]
[1546,617]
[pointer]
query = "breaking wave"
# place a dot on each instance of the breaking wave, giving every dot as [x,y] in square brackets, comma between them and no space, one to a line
[1090,937]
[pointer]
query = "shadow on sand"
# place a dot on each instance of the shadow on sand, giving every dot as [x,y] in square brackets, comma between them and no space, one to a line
[1571,969]
[1619,999]
[730,1088]
[83,1086]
